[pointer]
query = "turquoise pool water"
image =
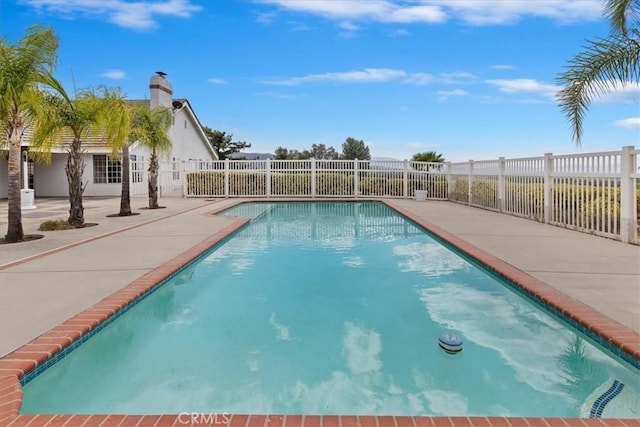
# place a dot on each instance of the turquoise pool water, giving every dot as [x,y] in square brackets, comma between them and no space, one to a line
[334,308]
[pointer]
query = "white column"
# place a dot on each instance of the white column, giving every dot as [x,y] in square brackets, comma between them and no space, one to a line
[268,177]
[226,177]
[548,187]
[356,177]
[470,182]
[501,184]
[628,194]
[313,177]
[27,196]
[449,180]
[185,187]
[405,180]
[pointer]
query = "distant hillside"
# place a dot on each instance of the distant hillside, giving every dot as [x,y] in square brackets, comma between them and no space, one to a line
[253,156]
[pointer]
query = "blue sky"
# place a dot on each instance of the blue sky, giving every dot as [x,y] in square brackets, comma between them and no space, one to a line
[471,79]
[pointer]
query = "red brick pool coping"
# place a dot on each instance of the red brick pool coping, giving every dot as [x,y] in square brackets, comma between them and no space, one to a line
[26,358]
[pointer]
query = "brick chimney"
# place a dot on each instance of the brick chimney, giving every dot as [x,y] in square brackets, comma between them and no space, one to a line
[161,92]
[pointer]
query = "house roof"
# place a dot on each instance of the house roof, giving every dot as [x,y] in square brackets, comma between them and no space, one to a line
[99,143]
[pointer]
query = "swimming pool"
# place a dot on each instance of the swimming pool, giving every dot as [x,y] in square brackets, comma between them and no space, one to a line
[298,313]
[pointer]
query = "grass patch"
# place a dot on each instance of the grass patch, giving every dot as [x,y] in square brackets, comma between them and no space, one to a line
[61,224]
[55,225]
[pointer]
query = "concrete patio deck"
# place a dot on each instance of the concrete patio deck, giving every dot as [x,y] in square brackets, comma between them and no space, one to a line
[44,282]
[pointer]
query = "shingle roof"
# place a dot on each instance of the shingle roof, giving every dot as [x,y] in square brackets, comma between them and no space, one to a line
[91,142]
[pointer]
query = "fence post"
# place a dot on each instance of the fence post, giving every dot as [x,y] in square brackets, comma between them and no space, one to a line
[449,180]
[501,202]
[185,187]
[469,183]
[313,178]
[226,177]
[268,177]
[356,178]
[405,180]
[548,187]
[628,194]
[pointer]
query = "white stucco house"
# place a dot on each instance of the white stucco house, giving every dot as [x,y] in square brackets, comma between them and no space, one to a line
[103,174]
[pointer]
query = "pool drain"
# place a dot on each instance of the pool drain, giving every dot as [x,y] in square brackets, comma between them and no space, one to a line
[450,343]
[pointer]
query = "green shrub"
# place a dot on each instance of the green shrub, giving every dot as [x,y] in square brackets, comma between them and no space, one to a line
[334,184]
[291,184]
[55,225]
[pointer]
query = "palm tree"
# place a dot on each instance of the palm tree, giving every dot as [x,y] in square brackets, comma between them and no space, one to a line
[605,64]
[150,128]
[428,156]
[125,192]
[92,114]
[25,68]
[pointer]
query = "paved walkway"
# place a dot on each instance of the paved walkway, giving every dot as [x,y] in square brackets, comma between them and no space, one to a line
[40,293]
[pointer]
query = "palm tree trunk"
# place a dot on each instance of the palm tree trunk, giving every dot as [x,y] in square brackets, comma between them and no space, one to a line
[15,232]
[125,196]
[153,181]
[75,169]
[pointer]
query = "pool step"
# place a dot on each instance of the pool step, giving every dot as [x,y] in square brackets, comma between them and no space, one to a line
[612,400]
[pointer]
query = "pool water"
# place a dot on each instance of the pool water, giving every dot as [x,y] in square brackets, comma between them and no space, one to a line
[334,308]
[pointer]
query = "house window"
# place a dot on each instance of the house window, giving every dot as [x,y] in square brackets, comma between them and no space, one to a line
[106,170]
[137,164]
[175,167]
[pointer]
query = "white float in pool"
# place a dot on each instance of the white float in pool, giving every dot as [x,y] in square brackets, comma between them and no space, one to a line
[450,343]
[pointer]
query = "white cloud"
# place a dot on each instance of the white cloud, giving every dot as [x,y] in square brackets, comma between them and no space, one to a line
[368,75]
[265,18]
[420,79]
[498,12]
[530,86]
[473,12]
[617,94]
[379,75]
[443,402]
[613,93]
[400,32]
[138,15]
[446,94]
[348,26]
[430,259]
[373,10]
[282,331]
[114,74]
[522,346]
[362,349]
[217,81]
[457,77]
[629,123]
[503,67]
[353,261]
[455,92]
[299,26]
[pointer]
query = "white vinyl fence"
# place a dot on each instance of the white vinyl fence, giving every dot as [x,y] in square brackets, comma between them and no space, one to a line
[314,178]
[594,193]
[170,178]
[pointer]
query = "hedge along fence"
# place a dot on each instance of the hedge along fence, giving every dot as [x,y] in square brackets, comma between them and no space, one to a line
[299,184]
[594,192]
[585,207]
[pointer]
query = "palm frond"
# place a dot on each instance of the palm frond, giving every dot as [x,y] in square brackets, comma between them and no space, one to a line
[621,13]
[605,64]
[149,127]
